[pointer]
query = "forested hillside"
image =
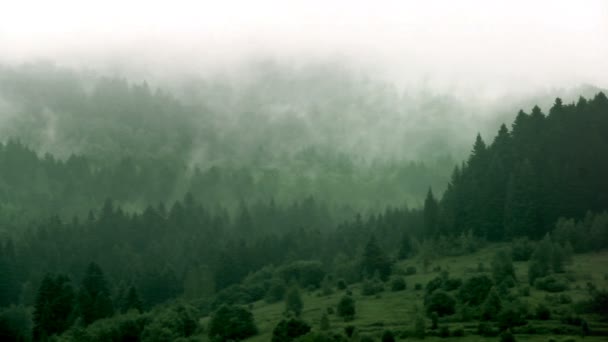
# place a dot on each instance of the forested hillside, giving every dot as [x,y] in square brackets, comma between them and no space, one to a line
[123,214]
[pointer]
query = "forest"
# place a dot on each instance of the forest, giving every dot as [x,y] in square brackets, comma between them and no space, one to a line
[298,207]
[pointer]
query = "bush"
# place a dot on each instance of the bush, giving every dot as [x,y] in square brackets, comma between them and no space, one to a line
[231,323]
[15,324]
[346,308]
[306,273]
[398,284]
[441,303]
[419,327]
[289,330]
[551,284]
[475,290]
[507,336]
[522,249]
[485,329]
[341,284]
[458,332]
[276,291]
[418,287]
[512,315]
[324,324]
[371,287]
[388,336]
[349,330]
[543,313]
[451,284]
[410,270]
[502,267]
[293,301]
[444,331]
[491,306]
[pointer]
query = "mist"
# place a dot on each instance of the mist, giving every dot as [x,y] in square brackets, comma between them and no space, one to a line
[471,48]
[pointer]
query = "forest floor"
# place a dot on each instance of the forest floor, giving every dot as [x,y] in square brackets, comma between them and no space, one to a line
[397,310]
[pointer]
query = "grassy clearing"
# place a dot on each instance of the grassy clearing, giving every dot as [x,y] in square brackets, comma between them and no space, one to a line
[396,310]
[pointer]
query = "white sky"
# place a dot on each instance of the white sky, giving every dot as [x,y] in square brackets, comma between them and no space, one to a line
[494,44]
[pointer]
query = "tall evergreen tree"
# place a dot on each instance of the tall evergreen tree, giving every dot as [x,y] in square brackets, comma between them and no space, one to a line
[94,296]
[54,306]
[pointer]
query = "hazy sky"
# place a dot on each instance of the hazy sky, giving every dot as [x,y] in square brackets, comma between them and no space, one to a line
[494,45]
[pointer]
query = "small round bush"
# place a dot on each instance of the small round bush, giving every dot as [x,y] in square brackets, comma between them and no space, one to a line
[388,336]
[418,287]
[398,284]
[411,270]
[441,303]
[543,313]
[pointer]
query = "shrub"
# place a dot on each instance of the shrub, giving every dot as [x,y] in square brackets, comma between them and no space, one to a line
[458,332]
[306,273]
[231,323]
[444,331]
[398,284]
[522,249]
[491,306]
[551,284]
[507,336]
[419,327]
[341,284]
[441,303]
[502,267]
[543,313]
[475,290]
[512,315]
[349,330]
[451,284]
[324,324]
[170,324]
[346,308]
[486,329]
[371,287]
[289,330]
[293,301]
[276,291]
[388,336]
[410,270]
[418,287]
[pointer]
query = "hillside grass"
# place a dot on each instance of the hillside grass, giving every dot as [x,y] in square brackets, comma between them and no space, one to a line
[396,310]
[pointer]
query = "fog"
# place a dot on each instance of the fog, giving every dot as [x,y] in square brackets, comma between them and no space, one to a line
[470,48]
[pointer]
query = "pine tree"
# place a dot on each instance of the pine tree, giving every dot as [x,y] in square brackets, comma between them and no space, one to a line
[374,260]
[94,297]
[431,214]
[293,301]
[54,306]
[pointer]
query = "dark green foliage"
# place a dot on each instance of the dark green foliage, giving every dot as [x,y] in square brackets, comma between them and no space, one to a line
[475,290]
[398,284]
[370,287]
[491,306]
[431,214]
[504,189]
[349,330]
[346,308]
[512,315]
[388,336]
[405,248]
[551,284]
[173,323]
[589,233]
[15,324]
[324,324]
[434,320]
[132,301]
[419,327]
[417,286]
[522,249]
[293,301]
[54,306]
[276,291]
[451,284]
[289,330]
[410,270]
[444,331]
[502,267]
[543,312]
[341,284]
[306,273]
[122,327]
[441,303]
[374,260]
[231,323]
[486,329]
[507,336]
[94,297]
